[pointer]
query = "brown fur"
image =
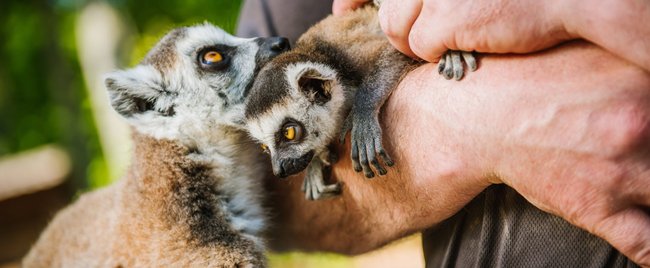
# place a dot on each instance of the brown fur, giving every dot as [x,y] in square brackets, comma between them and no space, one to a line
[164,213]
[163,56]
[358,35]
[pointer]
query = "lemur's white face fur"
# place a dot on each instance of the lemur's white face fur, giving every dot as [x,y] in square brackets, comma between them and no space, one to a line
[294,110]
[191,83]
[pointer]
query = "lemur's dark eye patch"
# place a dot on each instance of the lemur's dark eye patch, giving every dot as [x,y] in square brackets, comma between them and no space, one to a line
[214,58]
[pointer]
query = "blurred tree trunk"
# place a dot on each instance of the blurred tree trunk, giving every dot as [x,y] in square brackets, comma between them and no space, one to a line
[99,34]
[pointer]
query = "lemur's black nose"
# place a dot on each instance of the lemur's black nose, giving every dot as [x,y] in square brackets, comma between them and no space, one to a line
[270,47]
[279,44]
[287,167]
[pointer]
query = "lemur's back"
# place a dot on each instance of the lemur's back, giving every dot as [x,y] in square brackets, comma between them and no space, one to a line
[76,231]
[357,34]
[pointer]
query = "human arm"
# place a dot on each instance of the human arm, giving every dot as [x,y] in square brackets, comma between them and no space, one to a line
[428,28]
[548,124]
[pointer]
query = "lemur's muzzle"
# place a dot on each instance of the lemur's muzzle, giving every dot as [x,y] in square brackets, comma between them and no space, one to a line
[271,47]
[285,167]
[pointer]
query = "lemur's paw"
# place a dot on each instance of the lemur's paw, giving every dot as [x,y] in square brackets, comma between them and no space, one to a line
[451,65]
[367,146]
[319,191]
[313,185]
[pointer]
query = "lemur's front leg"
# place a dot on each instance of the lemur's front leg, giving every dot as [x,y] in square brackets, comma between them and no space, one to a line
[363,122]
[313,184]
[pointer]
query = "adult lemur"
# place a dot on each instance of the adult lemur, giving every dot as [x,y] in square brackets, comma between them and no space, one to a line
[191,197]
[335,80]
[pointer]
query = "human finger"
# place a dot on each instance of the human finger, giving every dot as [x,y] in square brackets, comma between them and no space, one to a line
[425,36]
[340,7]
[629,232]
[396,19]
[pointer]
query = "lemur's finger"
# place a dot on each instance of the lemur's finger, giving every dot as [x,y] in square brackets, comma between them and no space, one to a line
[363,158]
[372,157]
[305,181]
[333,188]
[380,169]
[468,57]
[448,71]
[354,154]
[307,191]
[315,194]
[329,191]
[382,153]
[441,64]
[457,65]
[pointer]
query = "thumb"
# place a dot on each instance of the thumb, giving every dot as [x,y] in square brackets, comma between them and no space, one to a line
[340,7]
[426,38]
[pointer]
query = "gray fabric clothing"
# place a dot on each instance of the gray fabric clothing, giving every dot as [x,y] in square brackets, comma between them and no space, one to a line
[286,18]
[499,228]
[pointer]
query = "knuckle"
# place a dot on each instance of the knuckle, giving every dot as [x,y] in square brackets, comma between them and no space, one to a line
[585,209]
[624,128]
[642,257]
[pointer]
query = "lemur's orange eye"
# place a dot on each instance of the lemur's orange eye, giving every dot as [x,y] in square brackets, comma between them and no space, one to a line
[292,132]
[264,148]
[211,57]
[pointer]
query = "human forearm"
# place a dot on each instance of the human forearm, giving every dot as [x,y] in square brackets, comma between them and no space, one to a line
[620,26]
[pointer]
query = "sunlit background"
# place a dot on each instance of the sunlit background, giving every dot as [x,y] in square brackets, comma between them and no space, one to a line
[59,137]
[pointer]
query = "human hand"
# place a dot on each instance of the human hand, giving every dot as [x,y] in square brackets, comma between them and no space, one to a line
[428,28]
[578,150]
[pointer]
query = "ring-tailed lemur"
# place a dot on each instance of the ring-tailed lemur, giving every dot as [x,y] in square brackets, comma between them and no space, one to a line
[335,80]
[192,196]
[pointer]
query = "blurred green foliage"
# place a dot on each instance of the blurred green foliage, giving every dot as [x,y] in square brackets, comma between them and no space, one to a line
[41,88]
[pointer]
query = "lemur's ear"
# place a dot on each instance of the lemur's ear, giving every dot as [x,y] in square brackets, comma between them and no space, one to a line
[316,86]
[135,91]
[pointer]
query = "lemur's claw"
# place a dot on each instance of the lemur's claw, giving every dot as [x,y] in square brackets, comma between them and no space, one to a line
[451,65]
[470,60]
[367,147]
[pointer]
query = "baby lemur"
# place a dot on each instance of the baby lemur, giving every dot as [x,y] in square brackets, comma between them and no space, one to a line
[335,80]
[192,196]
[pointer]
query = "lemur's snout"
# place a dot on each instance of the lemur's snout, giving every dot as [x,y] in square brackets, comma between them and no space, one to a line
[273,45]
[270,47]
[280,44]
[285,167]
